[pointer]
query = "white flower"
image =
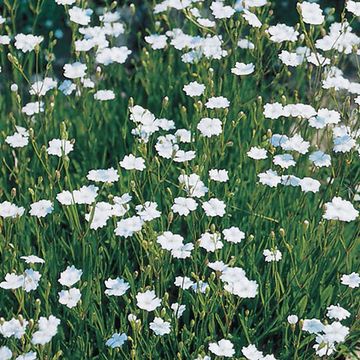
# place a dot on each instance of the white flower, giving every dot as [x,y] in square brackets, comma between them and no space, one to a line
[59,147]
[308,184]
[217,102]
[41,87]
[169,241]
[47,330]
[223,348]
[219,175]
[80,16]
[193,185]
[311,13]
[75,70]
[103,175]
[65,2]
[282,32]
[183,282]
[127,227]
[156,41]
[13,327]
[243,69]
[70,276]
[214,207]
[353,7]
[104,95]
[31,355]
[296,143]
[32,259]
[313,326]
[160,327]
[116,340]
[41,208]
[269,178]
[147,300]
[194,89]
[320,159]
[339,209]
[108,56]
[272,255]
[70,297]
[292,319]
[33,108]
[5,353]
[178,309]
[130,162]
[12,281]
[221,11]
[284,160]
[17,140]
[337,312]
[209,127]
[211,242]
[251,18]
[116,287]
[183,206]
[31,280]
[352,280]
[233,235]
[335,332]
[27,43]
[257,153]
[10,210]
[252,353]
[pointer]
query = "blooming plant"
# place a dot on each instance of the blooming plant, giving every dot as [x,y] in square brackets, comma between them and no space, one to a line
[180,179]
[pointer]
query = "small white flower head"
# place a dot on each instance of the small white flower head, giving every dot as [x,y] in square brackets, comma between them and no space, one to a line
[337,312]
[70,297]
[70,276]
[80,16]
[117,340]
[252,353]
[12,281]
[211,242]
[27,43]
[5,353]
[47,329]
[353,7]
[220,175]
[75,70]
[156,41]
[252,19]
[233,235]
[284,160]
[59,147]
[183,206]
[178,309]
[170,241]
[339,209]
[18,139]
[183,282]
[31,355]
[194,89]
[269,178]
[104,95]
[8,210]
[311,13]
[272,255]
[147,300]
[313,326]
[217,102]
[214,207]
[160,327]
[292,319]
[32,259]
[103,175]
[223,348]
[257,153]
[210,127]
[41,208]
[309,184]
[130,162]
[320,159]
[243,69]
[116,287]
[221,11]
[352,280]
[127,227]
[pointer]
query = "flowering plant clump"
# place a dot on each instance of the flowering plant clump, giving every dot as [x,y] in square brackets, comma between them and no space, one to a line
[180,179]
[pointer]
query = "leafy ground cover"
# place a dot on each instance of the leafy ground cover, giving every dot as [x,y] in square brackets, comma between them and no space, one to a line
[183,189]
